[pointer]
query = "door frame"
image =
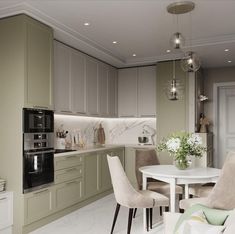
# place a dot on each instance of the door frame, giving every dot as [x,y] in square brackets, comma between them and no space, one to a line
[216,88]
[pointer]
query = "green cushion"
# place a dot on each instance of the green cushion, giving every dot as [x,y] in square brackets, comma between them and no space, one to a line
[213,216]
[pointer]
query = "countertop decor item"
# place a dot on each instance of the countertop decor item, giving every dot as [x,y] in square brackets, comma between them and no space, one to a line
[180,146]
[101,135]
[2,185]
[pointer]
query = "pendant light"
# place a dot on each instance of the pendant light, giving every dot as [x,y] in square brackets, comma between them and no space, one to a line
[177,40]
[174,87]
[190,62]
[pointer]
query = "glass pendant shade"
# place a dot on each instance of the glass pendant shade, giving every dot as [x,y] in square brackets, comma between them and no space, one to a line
[190,62]
[177,40]
[174,90]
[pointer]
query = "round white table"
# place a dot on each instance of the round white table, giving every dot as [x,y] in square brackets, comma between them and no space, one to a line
[170,174]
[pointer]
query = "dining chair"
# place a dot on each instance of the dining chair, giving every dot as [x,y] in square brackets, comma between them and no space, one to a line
[148,157]
[222,194]
[201,190]
[127,196]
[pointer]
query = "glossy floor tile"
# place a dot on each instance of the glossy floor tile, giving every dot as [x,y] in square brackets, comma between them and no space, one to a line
[96,218]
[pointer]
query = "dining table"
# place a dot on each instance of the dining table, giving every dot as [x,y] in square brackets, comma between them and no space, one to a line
[174,176]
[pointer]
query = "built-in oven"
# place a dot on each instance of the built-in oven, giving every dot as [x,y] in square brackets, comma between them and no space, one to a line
[38,149]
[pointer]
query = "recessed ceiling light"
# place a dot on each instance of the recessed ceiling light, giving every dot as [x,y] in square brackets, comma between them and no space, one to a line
[168,51]
[226,50]
[87,24]
[134,55]
[229,61]
[114,42]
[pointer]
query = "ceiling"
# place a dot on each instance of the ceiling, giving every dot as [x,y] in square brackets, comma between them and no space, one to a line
[140,27]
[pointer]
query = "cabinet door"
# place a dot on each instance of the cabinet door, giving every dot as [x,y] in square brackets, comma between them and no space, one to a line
[127,92]
[147,91]
[38,205]
[78,82]
[6,210]
[91,171]
[39,65]
[62,82]
[112,92]
[92,86]
[130,165]
[68,194]
[103,89]
[105,178]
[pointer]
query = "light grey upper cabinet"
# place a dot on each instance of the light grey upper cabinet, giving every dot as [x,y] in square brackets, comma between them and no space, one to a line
[103,89]
[92,86]
[147,91]
[62,80]
[127,92]
[112,91]
[137,92]
[78,81]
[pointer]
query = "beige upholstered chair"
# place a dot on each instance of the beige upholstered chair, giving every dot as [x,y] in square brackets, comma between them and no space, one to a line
[222,194]
[199,190]
[127,196]
[146,157]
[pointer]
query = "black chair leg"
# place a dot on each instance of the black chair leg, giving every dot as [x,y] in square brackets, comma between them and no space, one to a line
[115,217]
[160,210]
[147,219]
[134,212]
[151,218]
[130,221]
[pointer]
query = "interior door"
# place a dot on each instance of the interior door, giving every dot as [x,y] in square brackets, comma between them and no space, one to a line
[226,124]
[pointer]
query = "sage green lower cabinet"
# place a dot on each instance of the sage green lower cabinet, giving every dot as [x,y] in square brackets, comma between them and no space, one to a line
[79,180]
[91,171]
[38,204]
[68,194]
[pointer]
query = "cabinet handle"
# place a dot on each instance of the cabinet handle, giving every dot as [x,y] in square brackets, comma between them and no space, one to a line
[72,182]
[147,116]
[127,116]
[41,107]
[64,111]
[43,191]
[80,112]
[2,199]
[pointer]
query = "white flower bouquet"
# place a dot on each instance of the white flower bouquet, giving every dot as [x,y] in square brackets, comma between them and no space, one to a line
[181,145]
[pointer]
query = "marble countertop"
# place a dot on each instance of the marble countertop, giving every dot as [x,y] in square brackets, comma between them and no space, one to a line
[89,149]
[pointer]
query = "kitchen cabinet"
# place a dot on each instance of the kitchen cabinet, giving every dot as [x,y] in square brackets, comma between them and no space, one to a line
[78,82]
[38,204]
[127,92]
[62,79]
[147,91]
[6,212]
[112,91]
[91,174]
[68,194]
[103,88]
[92,86]
[39,64]
[137,92]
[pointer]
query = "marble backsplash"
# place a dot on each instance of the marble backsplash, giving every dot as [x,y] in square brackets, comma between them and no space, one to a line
[117,130]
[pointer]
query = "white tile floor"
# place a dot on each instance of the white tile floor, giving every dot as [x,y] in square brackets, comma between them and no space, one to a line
[97,218]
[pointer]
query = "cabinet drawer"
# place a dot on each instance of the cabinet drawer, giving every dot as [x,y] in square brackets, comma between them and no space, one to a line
[67,161]
[68,174]
[38,205]
[6,212]
[68,193]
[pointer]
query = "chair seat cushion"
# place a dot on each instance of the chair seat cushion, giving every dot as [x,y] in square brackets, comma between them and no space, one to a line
[200,191]
[163,188]
[159,199]
[187,203]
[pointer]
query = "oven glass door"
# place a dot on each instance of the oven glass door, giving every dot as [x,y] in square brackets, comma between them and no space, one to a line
[38,121]
[38,169]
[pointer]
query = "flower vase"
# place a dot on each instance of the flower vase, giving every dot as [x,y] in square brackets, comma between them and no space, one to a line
[182,164]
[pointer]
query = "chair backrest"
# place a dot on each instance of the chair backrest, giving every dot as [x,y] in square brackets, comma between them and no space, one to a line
[222,195]
[123,190]
[144,157]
